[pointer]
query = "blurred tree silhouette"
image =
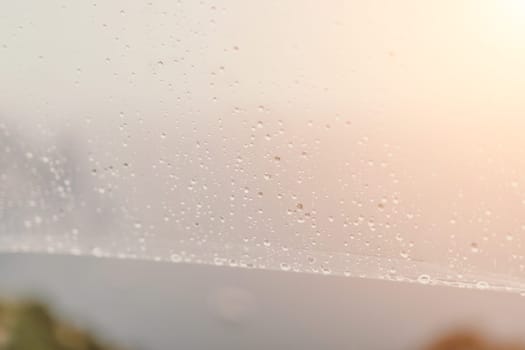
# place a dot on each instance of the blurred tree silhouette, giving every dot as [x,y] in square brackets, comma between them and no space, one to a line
[469,340]
[30,326]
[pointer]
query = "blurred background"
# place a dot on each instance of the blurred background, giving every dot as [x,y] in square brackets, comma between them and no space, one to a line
[149,149]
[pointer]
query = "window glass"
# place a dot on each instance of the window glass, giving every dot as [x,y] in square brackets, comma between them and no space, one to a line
[365,138]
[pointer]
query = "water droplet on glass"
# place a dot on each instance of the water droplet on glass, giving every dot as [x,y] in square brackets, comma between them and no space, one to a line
[285,267]
[175,258]
[482,285]
[424,279]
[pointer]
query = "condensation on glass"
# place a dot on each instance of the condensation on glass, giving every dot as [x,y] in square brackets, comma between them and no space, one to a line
[365,138]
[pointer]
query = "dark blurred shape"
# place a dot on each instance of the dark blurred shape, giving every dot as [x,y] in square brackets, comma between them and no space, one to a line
[29,326]
[468,340]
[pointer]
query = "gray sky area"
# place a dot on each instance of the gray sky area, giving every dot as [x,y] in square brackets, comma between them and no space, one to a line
[160,306]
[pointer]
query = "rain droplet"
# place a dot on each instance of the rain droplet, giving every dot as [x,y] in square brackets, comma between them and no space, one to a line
[285,267]
[482,285]
[424,279]
[175,258]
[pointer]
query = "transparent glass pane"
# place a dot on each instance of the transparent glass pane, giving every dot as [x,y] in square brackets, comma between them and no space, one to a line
[366,138]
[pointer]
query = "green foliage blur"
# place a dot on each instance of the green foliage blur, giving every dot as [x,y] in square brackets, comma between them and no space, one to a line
[30,326]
